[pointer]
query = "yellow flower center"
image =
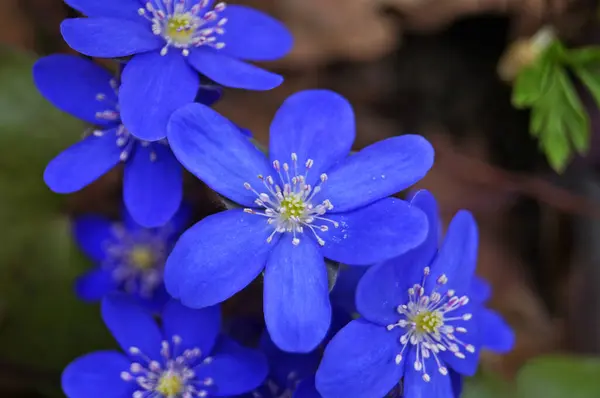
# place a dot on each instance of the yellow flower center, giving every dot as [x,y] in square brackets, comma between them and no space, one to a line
[142,257]
[428,321]
[292,206]
[181,28]
[169,385]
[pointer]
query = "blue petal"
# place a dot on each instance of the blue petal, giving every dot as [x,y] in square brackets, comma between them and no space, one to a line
[72,84]
[379,170]
[283,364]
[374,233]
[439,386]
[209,94]
[170,231]
[92,234]
[94,285]
[154,87]
[457,257]
[152,189]
[360,362]
[109,37]
[253,35]
[217,258]
[234,369]
[127,9]
[97,375]
[385,286]
[481,291]
[343,294]
[230,72]
[314,124]
[306,389]
[425,201]
[212,149]
[496,334]
[82,163]
[296,295]
[197,328]
[131,325]
[457,383]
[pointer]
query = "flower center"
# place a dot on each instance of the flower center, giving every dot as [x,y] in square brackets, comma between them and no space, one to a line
[142,257]
[169,385]
[428,326]
[180,28]
[136,259]
[170,377]
[428,321]
[288,206]
[185,26]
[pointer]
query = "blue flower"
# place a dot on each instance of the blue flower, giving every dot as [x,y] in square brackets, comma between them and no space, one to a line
[185,357]
[171,41]
[419,320]
[343,293]
[289,370]
[153,178]
[129,258]
[311,201]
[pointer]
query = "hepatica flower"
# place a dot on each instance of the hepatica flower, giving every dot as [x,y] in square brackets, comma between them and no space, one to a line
[310,201]
[171,41]
[129,258]
[152,180]
[181,359]
[288,371]
[423,317]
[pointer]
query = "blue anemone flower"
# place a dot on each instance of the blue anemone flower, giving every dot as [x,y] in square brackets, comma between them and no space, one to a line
[311,201]
[185,357]
[288,370]
[129,257]
[419,320]
[171,41]
[153,178]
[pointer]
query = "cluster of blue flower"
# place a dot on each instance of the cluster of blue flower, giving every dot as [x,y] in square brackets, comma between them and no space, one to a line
[419,312]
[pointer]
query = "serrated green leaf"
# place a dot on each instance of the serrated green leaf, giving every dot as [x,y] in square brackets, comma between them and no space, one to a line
[574,117]
[558,117]
[590,77]
[583,56]
[528,86]
[560,377]
[44,325]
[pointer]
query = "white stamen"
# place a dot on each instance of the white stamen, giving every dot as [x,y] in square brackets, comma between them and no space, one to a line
[288,203]
[429,325]
[181,26]
[174,378]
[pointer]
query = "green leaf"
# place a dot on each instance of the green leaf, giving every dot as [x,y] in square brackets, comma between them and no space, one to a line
[558,117]
[590,77]
[43,325]
[583,56]
[560,377]
[528,87]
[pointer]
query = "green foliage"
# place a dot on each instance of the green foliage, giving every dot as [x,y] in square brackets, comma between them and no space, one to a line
[558,117]
[553,376]
[42,324]
[560,377]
